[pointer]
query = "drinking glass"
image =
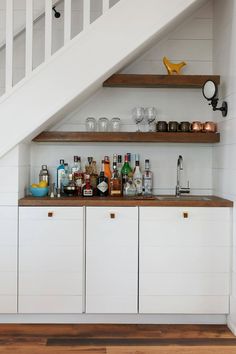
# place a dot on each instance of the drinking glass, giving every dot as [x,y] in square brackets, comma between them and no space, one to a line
[103,124]
[138,116]
[150,114]
[115,124]
[91,124]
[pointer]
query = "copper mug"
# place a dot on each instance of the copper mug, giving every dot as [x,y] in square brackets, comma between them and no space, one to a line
[196,126]
[184,126]
[210,127]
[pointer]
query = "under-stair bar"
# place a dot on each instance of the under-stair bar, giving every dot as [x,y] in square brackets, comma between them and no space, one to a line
[28,29]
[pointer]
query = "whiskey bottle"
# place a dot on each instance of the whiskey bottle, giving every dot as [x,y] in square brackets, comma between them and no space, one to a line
[78,174]
[116,184]
[147,179]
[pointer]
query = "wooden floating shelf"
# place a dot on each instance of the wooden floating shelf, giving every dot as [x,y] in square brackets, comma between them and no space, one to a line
[127,137]
[152,81]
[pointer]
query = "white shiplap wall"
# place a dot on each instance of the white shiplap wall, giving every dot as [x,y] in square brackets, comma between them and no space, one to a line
[224,162]
[192,42]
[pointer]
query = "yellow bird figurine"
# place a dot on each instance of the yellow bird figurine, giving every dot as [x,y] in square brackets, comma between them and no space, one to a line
[173,68]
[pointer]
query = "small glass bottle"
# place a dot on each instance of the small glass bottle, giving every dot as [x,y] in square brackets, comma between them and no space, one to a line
[129,189]
[147,179]
[116,183]
[78,175]
[87,190]
[126,170]
[102,183]
[60,173]
[137,176]
[44,174]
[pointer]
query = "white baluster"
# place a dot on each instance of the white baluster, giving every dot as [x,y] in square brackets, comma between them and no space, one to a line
[105,5]
[48,28]
[86,13]
[67,21]
[29,37]
[9,43]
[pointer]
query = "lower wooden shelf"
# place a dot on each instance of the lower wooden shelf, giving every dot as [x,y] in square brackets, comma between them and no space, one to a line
[128,137]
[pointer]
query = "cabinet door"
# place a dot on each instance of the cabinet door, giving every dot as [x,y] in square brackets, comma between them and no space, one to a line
[184,260]
[8,259]
[51,260]
[111,259]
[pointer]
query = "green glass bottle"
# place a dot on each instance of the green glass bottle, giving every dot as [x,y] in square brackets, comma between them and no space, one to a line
[126,170]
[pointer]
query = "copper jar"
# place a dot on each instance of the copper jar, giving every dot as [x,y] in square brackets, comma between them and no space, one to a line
[210,127]
[196,126]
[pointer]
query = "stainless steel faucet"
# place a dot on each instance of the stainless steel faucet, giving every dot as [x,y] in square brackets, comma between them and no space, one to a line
[180,190]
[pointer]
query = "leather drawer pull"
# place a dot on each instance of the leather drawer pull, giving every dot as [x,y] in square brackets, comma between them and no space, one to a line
[185,215]
[112,215]
[50,214]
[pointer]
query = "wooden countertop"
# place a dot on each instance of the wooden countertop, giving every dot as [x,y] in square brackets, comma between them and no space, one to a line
[164,201]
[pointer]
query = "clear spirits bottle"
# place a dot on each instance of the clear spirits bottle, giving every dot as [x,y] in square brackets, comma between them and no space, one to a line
[137,177]
[147,179]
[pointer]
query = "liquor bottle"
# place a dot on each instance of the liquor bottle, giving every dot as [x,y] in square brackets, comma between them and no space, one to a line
[116,183]
[147,179]
[129,189]
[102,183]
[107,170]
[44,174]
[60,173]
[65,177]
[119,163]
[94,177]
[87,190]
[78,174]
[126,170]
[75,167]
[137,176]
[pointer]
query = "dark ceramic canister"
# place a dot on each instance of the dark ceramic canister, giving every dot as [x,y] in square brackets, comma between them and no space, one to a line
[173,126]
[162,126]
[184,126]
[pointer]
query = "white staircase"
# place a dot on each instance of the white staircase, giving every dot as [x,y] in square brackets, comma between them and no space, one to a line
[75,71]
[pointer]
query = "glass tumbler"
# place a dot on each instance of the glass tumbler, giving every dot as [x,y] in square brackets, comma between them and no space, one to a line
[91,124]
[103,124]
[115,124]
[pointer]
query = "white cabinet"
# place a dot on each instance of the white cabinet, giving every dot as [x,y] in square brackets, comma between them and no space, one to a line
[111,259]
[8,259]
[184,260]
[50,259]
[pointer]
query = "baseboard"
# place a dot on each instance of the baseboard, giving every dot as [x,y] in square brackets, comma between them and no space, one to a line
[123,318]
[231,325]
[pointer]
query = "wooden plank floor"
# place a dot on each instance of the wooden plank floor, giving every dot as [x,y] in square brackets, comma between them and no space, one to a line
[114,339]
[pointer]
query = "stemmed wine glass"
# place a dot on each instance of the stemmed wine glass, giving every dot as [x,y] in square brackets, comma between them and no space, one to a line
[138,116]
[150,114]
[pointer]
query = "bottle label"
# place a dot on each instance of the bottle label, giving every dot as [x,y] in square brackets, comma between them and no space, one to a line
[87,192]
[147,186]
[103,186]
[138,185]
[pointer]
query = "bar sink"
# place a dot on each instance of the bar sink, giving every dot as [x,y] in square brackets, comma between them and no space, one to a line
[183,197]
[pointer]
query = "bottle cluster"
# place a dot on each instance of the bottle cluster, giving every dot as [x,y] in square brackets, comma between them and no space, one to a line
[116,178]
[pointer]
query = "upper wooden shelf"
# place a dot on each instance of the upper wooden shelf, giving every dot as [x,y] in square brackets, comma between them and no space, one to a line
[128,137]
[152,81]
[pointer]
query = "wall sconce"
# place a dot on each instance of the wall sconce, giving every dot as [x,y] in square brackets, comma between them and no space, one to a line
[56,13]
[209,90]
